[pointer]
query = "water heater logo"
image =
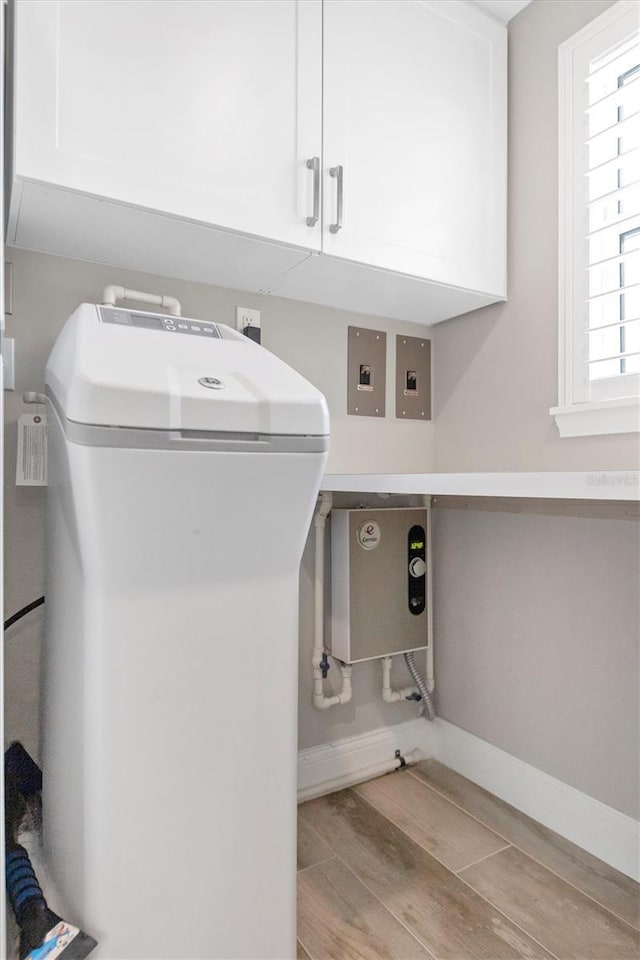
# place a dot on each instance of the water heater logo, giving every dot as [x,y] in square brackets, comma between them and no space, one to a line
[369,535]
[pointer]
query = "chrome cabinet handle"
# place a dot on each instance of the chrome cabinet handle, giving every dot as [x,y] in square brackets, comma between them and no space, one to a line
[337,172]
[313,163]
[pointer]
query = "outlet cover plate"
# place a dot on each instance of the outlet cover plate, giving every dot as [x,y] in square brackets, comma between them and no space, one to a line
[247,317]
[413,378]
[366,372]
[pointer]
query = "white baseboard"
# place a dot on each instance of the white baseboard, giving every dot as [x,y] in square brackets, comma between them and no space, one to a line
[606,833]
[342,763]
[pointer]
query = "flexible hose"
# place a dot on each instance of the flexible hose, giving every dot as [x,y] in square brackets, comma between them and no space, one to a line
[428,710]
[22,885]
[22,613]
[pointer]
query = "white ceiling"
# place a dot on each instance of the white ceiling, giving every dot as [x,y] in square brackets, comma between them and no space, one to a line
[503,10]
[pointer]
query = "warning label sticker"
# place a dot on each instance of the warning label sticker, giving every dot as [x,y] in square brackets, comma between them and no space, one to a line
[31,464]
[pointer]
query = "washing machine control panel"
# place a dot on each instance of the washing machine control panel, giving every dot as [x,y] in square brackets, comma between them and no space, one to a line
[158,321]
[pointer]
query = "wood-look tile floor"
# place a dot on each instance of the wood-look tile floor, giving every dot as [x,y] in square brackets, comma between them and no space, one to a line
[424,864]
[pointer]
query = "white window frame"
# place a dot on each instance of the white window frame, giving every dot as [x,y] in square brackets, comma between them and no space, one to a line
[578,413]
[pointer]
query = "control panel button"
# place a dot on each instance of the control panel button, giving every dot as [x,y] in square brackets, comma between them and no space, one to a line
[141,319]
[417,567]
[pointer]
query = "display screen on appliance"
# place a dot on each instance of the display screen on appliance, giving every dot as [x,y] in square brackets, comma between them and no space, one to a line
[157,321]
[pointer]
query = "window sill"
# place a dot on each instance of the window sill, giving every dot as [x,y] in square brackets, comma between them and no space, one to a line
[598,417]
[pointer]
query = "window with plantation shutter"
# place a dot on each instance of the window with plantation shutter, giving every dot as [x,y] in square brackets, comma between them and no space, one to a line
[599,226]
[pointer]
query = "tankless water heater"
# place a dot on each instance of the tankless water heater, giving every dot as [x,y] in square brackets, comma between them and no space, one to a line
[379,582]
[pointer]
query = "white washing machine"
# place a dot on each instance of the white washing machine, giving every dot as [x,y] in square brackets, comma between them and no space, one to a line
[184,465]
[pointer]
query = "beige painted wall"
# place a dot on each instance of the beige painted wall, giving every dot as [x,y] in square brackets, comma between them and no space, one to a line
[312,339]
[537,620]
[496,372]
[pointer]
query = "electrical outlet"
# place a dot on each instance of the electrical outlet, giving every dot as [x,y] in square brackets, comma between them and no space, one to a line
[9,363]
[247,317]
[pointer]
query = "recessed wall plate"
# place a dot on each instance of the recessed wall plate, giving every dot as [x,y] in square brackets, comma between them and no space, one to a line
[367,372]
[413,378]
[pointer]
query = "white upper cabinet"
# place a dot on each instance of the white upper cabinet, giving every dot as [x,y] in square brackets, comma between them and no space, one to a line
[230,141]
[415,115]
[202,110]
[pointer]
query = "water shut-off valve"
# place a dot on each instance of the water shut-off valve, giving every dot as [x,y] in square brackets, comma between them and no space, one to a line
[324,666]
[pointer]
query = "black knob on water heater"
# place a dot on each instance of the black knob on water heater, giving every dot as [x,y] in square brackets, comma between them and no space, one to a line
[417,569]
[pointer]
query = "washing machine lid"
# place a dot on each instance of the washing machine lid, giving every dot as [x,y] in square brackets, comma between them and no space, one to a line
[113,367]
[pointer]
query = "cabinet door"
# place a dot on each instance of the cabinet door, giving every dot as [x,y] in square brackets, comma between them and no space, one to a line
[415,113]
[202,109]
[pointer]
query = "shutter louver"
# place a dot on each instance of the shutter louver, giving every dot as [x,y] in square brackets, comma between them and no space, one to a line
[613,240]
